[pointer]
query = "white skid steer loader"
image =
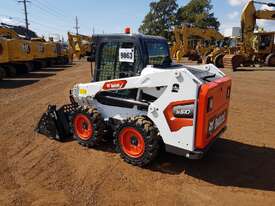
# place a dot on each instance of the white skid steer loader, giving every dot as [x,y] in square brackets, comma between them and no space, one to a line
[145,101]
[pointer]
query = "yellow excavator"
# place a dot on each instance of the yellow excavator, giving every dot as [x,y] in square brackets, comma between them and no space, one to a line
[15,52]
[21,55]
[229,45]
[194,42]
[8,33]
[256,47]
[79,45]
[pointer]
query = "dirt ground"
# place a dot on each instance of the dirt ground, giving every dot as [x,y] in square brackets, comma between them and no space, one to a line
[238,170]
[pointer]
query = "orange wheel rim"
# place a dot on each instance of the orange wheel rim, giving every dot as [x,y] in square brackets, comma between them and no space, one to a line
[83,127]
[132,142]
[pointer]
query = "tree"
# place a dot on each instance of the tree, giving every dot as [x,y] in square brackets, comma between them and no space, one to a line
[160,19]
[198,13]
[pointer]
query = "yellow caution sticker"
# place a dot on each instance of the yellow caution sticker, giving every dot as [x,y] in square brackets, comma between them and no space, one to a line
[82,91]
[77,47]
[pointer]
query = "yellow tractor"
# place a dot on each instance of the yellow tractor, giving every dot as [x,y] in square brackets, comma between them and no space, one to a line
[39,51]
[4,57]
[51,50]
[194,42]
[8,33]
[79,45]
[16,53]
[56,52]
[19,55]
[38,48]
[255,47]
[229,45]
[62,53]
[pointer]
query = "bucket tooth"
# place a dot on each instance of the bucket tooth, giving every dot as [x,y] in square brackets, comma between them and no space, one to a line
[56,124]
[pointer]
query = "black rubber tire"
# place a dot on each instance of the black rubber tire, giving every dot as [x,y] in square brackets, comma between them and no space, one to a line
[37,65]
[98,127]
[218,61]
[50,63]
[152,140]
[43,64]
[65,60]
[2,73]
[207,60]
[29,67]
[237,62]
[11,71]
[270,60]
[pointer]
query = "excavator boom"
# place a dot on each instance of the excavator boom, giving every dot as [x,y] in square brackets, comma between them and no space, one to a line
[265,3]
[265,14]
[187,39]
[255,46]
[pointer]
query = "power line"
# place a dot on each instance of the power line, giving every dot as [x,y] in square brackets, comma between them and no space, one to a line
[51,8]
[45,11]
[48,10]
[48,13]
[46,25]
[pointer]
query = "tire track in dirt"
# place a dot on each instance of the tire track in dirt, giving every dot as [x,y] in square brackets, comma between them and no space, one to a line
[37,171]
[35,98]
[32,158]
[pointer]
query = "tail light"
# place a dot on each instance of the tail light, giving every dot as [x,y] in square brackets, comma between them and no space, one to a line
[210,104]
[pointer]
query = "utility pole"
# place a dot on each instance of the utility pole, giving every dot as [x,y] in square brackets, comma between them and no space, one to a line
[93,30]
[26,16]
[76,25]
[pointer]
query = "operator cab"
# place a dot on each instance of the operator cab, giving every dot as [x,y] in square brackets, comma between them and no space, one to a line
[125,55]
[264,42]
[228,42]
[119,56]
[122,55]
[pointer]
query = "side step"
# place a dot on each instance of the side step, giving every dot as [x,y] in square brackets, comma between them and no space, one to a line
[233,61]
[227,61]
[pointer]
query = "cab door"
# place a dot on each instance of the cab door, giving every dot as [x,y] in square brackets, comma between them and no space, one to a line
[265,43]
[118,59]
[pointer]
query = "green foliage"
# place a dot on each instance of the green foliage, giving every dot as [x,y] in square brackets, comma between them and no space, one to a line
[160,19]
[165,14]
[198,13]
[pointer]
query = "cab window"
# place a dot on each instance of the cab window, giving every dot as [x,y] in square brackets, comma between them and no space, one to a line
[111,67]
[158,53]
[265,41]
[129,68]
[108,62]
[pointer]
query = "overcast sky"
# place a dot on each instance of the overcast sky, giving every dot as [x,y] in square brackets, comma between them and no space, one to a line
[49,17]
